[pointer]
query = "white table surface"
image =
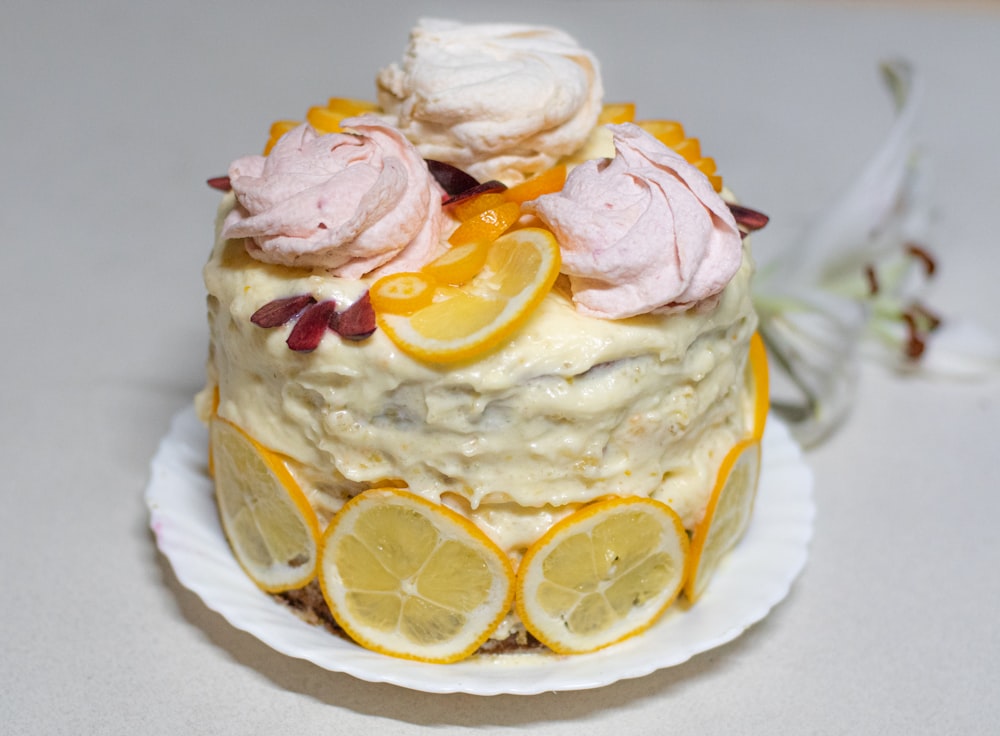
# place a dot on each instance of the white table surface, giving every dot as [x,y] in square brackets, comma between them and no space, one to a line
[113,115]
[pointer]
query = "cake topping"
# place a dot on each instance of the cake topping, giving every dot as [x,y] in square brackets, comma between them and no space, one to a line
[281,311]
[313,319]
[644,231]
[500,101]
[352,203]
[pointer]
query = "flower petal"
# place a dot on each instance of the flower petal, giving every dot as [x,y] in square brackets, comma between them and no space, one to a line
[874,213]
[812,339]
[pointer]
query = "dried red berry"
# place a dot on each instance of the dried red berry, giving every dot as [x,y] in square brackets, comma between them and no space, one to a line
[221,183]
[312,325]
[451,178]
[488,186]
[281,311]
[357,321]
[748,220]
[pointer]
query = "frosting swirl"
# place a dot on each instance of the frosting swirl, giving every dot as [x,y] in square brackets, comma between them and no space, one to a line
[352,203]
[641,232]
[501,101]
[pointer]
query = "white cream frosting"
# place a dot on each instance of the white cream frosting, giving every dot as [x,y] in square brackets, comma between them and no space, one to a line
[500,101]
[572,408]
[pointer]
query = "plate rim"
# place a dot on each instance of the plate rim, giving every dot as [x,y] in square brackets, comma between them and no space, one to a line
[185,524]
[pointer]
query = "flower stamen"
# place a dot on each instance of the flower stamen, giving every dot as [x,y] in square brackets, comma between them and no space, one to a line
[924,256]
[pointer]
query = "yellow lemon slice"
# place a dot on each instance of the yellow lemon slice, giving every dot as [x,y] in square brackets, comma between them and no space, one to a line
[402,293]
[413,579]
[520,268]
[602,574]
[757,379]
[272,529]
[460,264]
[726,516]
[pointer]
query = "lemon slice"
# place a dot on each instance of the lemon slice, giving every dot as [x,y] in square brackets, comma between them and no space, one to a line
[413,579]
[462,322]
[602,574]
[726,517]
[757,378]
[402,293]
[272,529]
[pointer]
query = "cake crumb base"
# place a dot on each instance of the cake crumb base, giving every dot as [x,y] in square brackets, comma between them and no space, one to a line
[309,605]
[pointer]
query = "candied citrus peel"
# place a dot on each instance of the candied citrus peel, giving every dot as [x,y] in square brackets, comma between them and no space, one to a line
[323,119]
[547,182]
[671,134]
[616,112]
[487,224]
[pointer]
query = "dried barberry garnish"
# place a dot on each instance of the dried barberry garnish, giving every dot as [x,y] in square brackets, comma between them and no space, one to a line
[357,321]
[222,183]
[315,318]
[451,178]
[487,186]
[281,311]
[748,220]
[311,326]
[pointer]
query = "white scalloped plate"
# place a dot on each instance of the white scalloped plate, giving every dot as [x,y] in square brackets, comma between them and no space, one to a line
[751,581]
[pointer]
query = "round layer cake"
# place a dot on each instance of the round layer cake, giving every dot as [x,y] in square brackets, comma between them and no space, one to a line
[626,379]
[572,408]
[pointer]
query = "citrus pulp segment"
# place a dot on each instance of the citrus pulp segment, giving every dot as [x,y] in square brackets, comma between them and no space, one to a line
[603,574]
[726,516]
[413,579]
[519,269]
[268,521]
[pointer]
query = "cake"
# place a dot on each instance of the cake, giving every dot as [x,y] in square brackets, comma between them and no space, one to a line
[483,372]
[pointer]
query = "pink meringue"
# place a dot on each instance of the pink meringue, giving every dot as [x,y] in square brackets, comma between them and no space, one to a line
[641,232]
[352,203]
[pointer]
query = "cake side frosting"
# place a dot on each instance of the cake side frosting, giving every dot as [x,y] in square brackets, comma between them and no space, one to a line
[403,351]
[571,409]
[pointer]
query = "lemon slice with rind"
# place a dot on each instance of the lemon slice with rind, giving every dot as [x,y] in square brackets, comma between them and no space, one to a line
[271,528]
[726,517]
[413,579]
[466,321]
[603,574]
[757,380]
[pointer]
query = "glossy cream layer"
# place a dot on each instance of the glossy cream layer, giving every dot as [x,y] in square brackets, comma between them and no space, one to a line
[571,409]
